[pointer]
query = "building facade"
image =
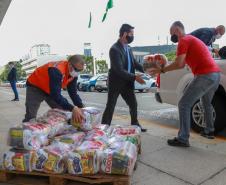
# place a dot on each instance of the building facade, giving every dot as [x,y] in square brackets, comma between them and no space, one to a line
[39,55]
[87,49]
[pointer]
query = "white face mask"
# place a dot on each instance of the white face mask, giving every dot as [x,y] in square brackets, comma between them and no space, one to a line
[74,74]
[218,36]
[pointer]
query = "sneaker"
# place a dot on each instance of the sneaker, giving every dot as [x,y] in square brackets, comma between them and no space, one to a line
[16,99]
[176,142]
[210,135]
[141,128]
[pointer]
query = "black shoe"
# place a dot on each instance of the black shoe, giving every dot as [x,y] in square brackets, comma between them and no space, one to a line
[16,99]
[210,135]
[141,128]
[176,142]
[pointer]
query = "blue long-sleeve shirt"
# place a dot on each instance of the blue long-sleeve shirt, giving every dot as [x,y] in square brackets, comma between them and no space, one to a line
[207,35]
[55,82]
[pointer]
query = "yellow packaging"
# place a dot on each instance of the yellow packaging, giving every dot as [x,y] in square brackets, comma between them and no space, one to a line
[51,162]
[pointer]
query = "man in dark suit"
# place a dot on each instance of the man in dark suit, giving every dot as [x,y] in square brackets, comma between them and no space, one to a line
[12,79]
[122,76]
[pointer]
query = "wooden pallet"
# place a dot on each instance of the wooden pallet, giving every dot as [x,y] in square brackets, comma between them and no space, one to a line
[36,178]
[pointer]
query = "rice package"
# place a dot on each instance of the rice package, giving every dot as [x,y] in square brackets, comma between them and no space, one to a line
[92,117]
[17,160]
[83,162]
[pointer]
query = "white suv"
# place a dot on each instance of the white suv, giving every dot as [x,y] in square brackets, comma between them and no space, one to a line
[170,87]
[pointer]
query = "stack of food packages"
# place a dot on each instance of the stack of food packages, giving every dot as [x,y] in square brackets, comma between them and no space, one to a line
[51,145]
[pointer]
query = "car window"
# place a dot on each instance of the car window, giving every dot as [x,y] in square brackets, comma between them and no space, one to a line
[94,78]
[145,77]
[102,77]
[85,76]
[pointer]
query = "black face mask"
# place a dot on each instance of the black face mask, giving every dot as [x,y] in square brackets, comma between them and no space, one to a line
[174,38]
[129,39]
[76,70]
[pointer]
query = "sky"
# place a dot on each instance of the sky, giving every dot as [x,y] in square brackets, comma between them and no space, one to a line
[63,24]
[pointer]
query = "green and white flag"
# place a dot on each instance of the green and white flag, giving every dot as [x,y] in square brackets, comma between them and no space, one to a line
[90,20]
[109,6]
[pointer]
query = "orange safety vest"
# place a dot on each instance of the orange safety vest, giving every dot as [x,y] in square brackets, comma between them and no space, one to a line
[40,77]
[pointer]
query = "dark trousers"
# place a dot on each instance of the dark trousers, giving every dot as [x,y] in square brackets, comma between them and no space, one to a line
[128,95]
[34,97]
[13,85]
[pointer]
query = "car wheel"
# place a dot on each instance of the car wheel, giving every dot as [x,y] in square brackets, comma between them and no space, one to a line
[197,115]
[141,90]
[153,84]
[91,88]
[99,90]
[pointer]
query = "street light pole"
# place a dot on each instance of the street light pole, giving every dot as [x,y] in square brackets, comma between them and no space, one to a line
[94,66]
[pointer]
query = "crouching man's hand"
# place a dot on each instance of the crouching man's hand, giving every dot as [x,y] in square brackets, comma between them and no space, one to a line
[77,115]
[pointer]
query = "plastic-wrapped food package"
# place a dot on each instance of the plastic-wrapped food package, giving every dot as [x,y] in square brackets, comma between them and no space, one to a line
[126,133]
[39,158]
[154,61]
[125,130]
[97,135]
[119,159]
[27,139]
[59,113]
[57,128]
[101,127]
[83,162]
[17,160]
[37,127]
[135,139]
[56,124]
[74,139]
[94,145]
[56,157]
[92,117]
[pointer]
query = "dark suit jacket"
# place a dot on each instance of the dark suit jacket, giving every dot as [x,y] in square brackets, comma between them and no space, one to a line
[12,75]
[118,73]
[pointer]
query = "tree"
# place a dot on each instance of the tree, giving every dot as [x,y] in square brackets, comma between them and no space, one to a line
[171,55]
[20,73]
[89,65]
[101,66]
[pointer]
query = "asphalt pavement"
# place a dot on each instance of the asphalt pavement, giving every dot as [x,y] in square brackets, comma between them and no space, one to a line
[204,163]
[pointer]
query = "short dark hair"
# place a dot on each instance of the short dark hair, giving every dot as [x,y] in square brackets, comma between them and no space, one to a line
[222,52]
[11,63]
[178,24]
[125,28]
[74,59]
